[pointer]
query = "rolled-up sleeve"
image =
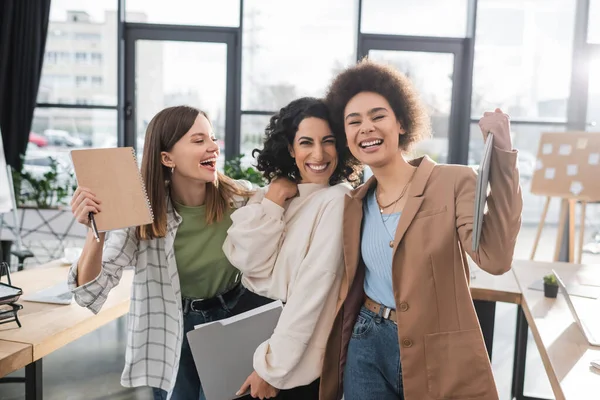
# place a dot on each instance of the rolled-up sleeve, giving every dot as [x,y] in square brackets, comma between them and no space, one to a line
[120,251]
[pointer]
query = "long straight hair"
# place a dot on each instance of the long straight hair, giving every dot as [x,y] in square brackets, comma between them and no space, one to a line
[165,129]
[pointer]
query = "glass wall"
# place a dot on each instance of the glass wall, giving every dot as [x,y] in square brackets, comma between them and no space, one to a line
[437,18]
[523,51]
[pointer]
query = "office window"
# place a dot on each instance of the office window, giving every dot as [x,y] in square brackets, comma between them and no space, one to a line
[87,36]
[523,52]
[96,58]
[81,81]
[80,57]
[96,81]
[293,49]
[184,12]
[593,111]
[76,127]
[439,18]
[594,22]
[253,132]
[90,26]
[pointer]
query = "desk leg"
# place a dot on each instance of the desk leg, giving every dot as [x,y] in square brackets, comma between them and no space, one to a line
[520,358]
[33,381]
[486,312]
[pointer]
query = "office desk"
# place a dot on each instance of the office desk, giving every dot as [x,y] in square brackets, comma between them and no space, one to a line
[14,356]
[48,327]
[494,288]
[565,352]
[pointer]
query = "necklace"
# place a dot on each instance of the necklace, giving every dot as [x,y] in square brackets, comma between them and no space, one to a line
[393,203]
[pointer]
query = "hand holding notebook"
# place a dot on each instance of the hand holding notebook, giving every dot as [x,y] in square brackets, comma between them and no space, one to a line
[112,175]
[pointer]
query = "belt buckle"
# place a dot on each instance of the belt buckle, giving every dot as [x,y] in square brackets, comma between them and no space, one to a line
[193,302]
[386,312]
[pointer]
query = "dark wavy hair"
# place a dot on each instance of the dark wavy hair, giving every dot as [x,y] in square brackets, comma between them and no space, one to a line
[275,160]
[385,80]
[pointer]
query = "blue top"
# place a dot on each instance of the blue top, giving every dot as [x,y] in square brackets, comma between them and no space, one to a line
[377,232]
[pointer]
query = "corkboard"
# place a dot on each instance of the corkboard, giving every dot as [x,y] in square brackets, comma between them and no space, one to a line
[568,166]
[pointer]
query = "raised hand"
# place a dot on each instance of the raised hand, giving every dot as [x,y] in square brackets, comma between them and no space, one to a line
[498,124]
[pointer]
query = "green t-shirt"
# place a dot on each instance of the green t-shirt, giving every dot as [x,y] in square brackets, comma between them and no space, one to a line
[204,270]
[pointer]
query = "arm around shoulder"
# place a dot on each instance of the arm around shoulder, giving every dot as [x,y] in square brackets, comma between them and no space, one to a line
[255,236]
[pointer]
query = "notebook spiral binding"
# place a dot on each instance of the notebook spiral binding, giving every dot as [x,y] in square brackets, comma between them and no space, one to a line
[143,186]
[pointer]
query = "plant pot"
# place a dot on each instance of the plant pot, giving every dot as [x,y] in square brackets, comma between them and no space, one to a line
[550,290]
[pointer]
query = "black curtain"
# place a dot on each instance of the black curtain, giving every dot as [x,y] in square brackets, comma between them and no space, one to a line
[23,29]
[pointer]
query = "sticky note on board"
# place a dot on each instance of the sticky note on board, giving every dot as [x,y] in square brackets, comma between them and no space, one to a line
[549,173]
[576,188]
[572,169]
[547,148]
[581,143]
[539,165]
[564,149]
[594,159]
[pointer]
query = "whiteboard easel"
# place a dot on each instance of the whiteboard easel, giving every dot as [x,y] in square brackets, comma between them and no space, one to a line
[568,166]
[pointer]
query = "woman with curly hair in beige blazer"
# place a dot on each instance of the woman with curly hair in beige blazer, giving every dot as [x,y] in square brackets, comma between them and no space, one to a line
[405,325]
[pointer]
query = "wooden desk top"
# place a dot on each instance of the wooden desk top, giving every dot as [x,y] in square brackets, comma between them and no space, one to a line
[14,356]
[503,288]
[564,350]
[48,327]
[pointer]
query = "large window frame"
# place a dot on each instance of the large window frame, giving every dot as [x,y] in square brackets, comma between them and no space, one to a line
[184,33]
[583,52]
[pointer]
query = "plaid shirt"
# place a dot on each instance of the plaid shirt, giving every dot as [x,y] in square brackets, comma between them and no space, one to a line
[155,323]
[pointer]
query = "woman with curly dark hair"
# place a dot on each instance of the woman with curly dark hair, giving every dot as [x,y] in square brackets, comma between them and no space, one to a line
[405,326]
[288,244]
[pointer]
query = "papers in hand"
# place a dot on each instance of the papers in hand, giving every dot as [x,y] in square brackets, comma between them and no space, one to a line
[481,189]
[223,350]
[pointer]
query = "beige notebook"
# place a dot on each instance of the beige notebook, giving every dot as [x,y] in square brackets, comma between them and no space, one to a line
[113,176]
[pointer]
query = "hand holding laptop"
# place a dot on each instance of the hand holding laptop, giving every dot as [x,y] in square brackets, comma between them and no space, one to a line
[498,124]
[495,127]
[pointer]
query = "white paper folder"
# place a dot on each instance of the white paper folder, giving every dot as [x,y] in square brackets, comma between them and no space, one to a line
[223,350]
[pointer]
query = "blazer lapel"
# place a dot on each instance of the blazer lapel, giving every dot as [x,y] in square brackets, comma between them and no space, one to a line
[415,197]
[353,213]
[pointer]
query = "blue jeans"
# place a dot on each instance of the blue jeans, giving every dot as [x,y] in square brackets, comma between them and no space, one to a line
[187,385]
[373,370]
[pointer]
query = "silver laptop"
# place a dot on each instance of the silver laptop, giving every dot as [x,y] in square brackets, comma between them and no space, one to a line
[57,294]
[593,337]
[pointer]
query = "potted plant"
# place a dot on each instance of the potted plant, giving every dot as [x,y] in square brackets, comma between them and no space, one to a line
[43,188]
[235,170]
[550,286]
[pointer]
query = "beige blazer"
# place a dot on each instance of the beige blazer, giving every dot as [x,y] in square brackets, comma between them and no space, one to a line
[442,351]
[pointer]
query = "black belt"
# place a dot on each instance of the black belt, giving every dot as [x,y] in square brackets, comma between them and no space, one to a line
[213,302]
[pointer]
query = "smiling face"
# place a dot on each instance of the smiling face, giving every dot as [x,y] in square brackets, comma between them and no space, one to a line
[372,130]
[195,155]
[314,151]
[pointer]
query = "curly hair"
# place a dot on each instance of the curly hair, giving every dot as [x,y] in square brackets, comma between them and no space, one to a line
[275,160]
[394,86]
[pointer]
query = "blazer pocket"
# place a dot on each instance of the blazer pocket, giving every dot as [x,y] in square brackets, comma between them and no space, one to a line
[429,213]
[457,365]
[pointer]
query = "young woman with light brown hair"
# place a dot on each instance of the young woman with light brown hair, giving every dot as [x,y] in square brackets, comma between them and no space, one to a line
[182,277]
